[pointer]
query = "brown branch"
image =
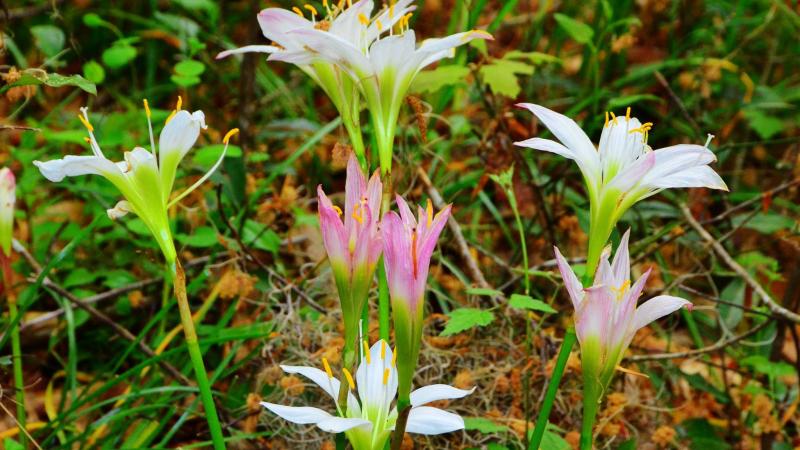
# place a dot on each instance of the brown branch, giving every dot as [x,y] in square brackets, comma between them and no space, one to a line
[755,285]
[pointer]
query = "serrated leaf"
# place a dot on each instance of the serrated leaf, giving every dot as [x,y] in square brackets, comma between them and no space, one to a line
[501,76]
[578,31]
[466,318]
[483,425]
[484,292]
[520,301]
[431,81]
[48,38]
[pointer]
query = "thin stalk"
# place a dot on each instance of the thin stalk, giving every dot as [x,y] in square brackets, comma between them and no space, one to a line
[591,401]
[383,284]
[404,408]
[512,200]
[552,389]
[192,344]
[16,349]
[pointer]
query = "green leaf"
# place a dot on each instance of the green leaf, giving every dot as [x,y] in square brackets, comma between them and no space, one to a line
[484,292]
[765,223]
[35,77]
[118,55]
[260,236]
[208,155]
[94,72]
[80,277]
[552,441]
[501,76]
[764,125]
[431,81]
[11,444]
[466,318]
[183,81]
[578,31]
[202,237]
[628,100]
[48,38]
[190,68]
[93,20]
[772,369]
[483,425]
[520,301]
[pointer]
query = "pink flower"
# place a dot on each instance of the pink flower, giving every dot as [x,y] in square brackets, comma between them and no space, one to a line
[606,316]
[408,244]
[8,187]
[353,245]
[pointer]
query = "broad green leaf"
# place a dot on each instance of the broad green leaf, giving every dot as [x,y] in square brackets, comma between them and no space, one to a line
[190,68]
[48,38]
[765,125]
[501,76]
[772,369]
[483,425]
[94,72]
[733,293]
[79,277]
[260,236]
[184,81]
[431,81]
[11,444]
[527,302]
[578,31]
[93,20]
[202,237]
[36,77]
[765,223]
[484,292]
[466,318]
[119,55]
[552,441]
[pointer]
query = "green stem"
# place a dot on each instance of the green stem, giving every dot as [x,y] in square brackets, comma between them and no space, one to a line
[192,344]
[552,389]
[513,201]
[404,406]
[16,350]
[383,284]
[591,400]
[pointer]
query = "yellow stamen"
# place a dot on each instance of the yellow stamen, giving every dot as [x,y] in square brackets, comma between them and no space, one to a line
[405,19]
[297,11]
[178,103]
[349,378]
[613,118]
[628,114]
[87,140]
[340,5]
[620,291]
[394,357]
[171,115]
[383,350]
[385,377]
[379,24]
[642,129]
[366,351]
[85,123]
[414,252]
[146,108]
[391,11]
[312,9]
[349,3]
[338,210]
[606,120]
[356,215]
[429,211]
[327,367]
[363,19]
[324,3]
[229,135]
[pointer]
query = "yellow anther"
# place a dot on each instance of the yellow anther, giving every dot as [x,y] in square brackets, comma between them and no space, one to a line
[363,19]
[391,10]
[405,19]
[385,377]
[620,291]
[429,212]
[394,357]
[379,24]
[383,350]
[349,378]
[312,9]
[349,3]
[642,129]
[613,118]
[146,108]
[297,11]
[229,135]
[324,3]
[338,210]
[340,6]
[628,114]
[171,115]
[357,215]
[327,367]
[85,122]
[606,124]
[179,103]
[87,140]
[366,351]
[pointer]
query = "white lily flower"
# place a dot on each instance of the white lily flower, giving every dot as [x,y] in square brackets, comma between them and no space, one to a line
[340,21]
[368,420]
[144,178]
[381,62]
[8,188]
[623,169]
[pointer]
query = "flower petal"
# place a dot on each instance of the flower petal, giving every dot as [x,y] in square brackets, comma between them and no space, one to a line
[546,145]
[429,420]
[334,236]
[175,140]
[298,414]
[73,166]
[276,23]
[621,265]
[328,384]
[374,394]
[572,136]
[571,282]
[657,307]
[593,319]
[672,163]
[434,392]
[340,424]
[248,49]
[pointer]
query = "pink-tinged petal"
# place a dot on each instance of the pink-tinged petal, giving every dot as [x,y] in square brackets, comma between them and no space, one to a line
[333,233]
[700,176]
[375,195]
[8,196]
[276,23]
[634,174]
[397,258]
[430,421]
[622,320]
[546,145]
[355,189]
[436,392]
[571,282]
[426,244]
[657,307]
[605,275]
[621,265]
[572,136]
[347,25]
[249,49]
[405,213]
[594,318]
[298,57]
[328,384]
[336,50]
[672,161]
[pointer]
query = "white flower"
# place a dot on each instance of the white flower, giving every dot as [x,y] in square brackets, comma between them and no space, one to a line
[369,419]
[623,169]
[144,178]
